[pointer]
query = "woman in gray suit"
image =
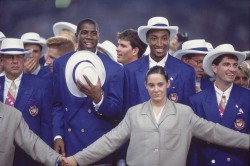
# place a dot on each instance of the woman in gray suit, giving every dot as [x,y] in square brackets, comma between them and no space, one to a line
[159,130]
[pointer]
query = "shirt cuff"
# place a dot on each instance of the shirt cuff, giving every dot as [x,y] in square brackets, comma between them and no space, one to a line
[58,136]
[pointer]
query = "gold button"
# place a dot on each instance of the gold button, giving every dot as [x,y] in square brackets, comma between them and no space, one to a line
[66,109]
[228,159]
[69,129]
[82,130]
[213,161]
[89,111]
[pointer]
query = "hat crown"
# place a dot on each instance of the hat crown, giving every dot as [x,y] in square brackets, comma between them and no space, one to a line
[194,44]
[31,36]
[2,36]
[12,43]
[224,47]
[158,21]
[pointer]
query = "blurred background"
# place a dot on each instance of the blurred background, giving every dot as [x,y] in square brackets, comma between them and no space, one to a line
[216,21]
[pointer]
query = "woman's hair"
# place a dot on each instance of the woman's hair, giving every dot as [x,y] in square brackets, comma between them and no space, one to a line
[157,70]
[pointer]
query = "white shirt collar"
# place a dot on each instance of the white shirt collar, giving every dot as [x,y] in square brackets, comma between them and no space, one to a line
[153,63]
[219,93]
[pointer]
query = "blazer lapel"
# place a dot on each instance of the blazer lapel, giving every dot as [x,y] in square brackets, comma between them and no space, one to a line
[210,106]
[168,110]
[147,111]
[140,79]
[24,93]
[2,79]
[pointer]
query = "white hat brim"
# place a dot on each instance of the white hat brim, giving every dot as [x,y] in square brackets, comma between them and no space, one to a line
[77,58]
[142,31]
[26,53]
[57,27]
[212,55]
[107,51]
[178,54]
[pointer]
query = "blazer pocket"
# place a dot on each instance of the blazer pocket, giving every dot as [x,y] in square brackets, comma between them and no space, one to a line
[171,139]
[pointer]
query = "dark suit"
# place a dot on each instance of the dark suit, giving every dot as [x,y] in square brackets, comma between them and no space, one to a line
[236,117]
[181,76]
[75,118]
[34,101]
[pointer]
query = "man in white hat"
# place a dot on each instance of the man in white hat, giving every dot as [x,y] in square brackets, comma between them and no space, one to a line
[247,56]
[33,41]
[224,103]
[79,120]
[129,47]
[192,53]
[28,93]
[157,35]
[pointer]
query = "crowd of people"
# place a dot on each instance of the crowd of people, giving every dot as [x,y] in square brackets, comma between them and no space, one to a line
[154,98]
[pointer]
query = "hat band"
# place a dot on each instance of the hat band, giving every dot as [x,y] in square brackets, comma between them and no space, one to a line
[163,25]
[12,49]
[73,73]
[199,49]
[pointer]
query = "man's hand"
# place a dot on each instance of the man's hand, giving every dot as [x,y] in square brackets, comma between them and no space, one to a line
[68,161]
[59,146]
[30,65]
[92,91]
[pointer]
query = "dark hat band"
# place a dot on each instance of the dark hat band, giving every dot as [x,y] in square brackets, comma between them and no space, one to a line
[199,49]
[163,25]
[12,49]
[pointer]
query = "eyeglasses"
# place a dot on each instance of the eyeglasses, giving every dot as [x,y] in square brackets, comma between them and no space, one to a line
[198,62]
[12,57]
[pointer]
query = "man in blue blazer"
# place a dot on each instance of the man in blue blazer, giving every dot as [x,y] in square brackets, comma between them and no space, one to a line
[157,35]
[32,95]
[222,63]
[79,121]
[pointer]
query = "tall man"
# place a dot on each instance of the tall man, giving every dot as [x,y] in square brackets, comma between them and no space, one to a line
[224,103]
[26,92]
[79,121]
[157,35]
[129,47]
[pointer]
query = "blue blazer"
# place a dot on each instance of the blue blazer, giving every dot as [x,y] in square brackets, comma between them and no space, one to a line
[75,118]
[35,102]
[236,117]
[181,76]
[205,82]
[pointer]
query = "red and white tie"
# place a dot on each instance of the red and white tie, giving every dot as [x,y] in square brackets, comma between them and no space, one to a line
[11,96]
[222,105]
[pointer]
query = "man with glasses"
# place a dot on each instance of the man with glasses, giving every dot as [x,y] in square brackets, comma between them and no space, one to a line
[193,53]
[28,93]
[79,121]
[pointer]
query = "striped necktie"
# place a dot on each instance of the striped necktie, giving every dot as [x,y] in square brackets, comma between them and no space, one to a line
[11,96]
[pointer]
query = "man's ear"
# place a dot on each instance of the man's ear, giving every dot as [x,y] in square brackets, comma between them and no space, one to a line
[184,58]
[214,68]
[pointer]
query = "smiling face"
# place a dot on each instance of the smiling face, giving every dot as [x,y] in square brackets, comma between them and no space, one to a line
[158,41]
[125,52]
[225,72]
[88,37]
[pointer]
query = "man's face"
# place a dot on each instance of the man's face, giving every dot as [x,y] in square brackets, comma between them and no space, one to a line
[226,70]
[88,37]
[13,65]
[35,55]
[158,41]
[196,62]
[52,54]
[125,52]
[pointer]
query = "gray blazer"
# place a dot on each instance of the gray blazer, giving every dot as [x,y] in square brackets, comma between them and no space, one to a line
[13,129]
[165,143]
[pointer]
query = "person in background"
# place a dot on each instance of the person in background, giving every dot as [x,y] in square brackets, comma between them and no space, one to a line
[57,46]
[159,130]
[129,46]
[224,103]
[243,75]
[67,30]
[15,132]
[2,36]
[79,121]
[192,53]
[28,93]
[33,41]
[247,56]
[108,48]
[177,41]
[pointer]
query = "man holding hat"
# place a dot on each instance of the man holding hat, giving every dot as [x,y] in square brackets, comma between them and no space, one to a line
[86,104]
[224,103]
[193,53]
[157,35]
[28,93]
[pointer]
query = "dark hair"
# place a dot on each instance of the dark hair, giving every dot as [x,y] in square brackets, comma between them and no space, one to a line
[217,60]
[157,70]
[131,35]
[86,21]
